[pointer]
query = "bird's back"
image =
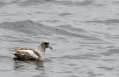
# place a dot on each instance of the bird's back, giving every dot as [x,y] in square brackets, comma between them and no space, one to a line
[25,54]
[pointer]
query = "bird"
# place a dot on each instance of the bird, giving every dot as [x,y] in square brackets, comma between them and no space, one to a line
[32,54]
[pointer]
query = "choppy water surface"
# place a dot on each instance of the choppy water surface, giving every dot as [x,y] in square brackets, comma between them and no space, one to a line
[83,33]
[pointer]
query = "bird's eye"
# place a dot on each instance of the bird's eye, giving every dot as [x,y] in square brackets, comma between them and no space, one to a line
[46,43]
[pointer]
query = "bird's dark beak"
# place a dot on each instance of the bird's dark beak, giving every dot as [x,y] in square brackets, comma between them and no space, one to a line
[50,47]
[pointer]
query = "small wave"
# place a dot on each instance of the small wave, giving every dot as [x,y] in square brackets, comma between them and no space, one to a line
[63,2]
[106,68]
[85,56]
[108,21]
[76,2]
[33,2]
[111,52]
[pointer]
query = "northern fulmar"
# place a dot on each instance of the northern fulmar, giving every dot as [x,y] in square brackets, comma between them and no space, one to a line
[32,54]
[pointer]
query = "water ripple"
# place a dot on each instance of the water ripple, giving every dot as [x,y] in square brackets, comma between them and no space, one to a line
[111,52]
[108,21]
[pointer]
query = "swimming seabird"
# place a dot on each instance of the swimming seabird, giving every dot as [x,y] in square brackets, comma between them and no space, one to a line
[31,54]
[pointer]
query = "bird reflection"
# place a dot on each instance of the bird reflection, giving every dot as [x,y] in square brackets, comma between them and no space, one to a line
[26,65]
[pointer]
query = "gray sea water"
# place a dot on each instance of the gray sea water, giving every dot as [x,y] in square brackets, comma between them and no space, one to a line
[84,35]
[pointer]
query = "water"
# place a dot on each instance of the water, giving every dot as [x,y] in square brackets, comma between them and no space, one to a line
[83,33]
